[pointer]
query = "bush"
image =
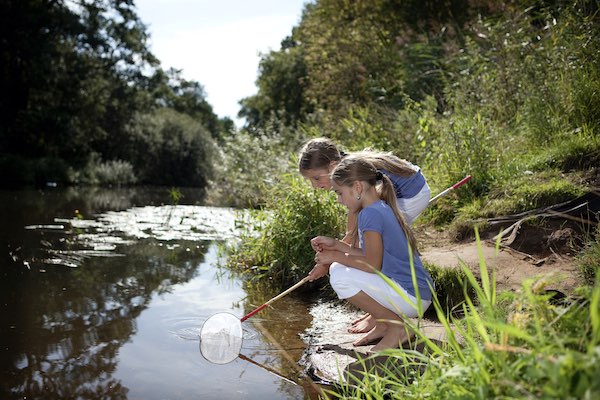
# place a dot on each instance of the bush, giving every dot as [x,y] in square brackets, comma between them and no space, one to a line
[178,150]
[250,165]
[115,172]
[276,241]
[105,173]
[463,145]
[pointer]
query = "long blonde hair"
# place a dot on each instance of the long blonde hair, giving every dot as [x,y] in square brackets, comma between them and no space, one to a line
[387,161]
[318,153]
[354,168]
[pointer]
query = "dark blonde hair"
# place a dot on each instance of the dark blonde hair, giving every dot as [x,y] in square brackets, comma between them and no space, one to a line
[318,153]
[387,161]
[354,168]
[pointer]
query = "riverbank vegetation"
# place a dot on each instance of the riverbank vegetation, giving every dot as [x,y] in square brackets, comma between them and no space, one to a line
[507,92]
[84,101]
[525,344]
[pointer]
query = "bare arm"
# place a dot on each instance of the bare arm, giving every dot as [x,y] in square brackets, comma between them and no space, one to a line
[351,222]
[325,243]
[337,251]
[318,271]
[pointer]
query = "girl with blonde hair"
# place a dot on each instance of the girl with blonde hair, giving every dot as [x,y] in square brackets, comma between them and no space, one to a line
[387,246]
[317,159]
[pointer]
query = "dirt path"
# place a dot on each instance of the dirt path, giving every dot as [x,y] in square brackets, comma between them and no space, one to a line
[558,271]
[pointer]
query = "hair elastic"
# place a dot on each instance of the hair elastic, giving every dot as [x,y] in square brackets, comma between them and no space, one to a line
[378,175]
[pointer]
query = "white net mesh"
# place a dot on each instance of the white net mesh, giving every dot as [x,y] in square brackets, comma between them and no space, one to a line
[221,338]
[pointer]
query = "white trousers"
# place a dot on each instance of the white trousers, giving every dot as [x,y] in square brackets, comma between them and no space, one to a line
[413,207]
[348,281]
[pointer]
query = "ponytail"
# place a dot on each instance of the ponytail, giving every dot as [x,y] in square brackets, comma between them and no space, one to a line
[387,193]
[354,168]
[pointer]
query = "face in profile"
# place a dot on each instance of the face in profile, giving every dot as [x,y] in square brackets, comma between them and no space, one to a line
[318,177]
[346,196]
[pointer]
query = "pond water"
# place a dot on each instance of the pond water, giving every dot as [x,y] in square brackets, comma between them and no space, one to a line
[104,293]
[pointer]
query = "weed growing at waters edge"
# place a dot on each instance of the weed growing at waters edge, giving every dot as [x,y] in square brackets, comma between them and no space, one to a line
[275,243]
[521,345]
[175,195]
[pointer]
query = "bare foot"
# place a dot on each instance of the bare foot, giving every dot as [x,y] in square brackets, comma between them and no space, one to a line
[373,336]
[393,337]
[363,324]
[357,320]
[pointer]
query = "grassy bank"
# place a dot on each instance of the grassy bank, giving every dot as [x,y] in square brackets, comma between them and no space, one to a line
[528,344]
[512,99]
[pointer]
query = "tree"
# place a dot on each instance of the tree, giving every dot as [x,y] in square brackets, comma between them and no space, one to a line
[72,76]
[180,147]
[281,83]
[75,77]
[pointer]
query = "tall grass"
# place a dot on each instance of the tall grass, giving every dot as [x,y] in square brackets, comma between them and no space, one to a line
[522,96]
[575,150]
[451,286]
[250,165]
[517,345]
[589,259]
[275,243]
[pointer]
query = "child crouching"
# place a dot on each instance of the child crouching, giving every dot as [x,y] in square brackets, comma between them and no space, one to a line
[384,239]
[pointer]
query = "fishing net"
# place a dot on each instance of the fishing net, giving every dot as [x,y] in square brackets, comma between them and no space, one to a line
[221,338]
[221,335]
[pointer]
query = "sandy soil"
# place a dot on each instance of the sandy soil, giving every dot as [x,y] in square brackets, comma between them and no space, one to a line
[558,270]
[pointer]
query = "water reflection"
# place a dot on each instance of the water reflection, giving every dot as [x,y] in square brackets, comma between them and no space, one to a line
[41,209]
[109,305]
[67,326]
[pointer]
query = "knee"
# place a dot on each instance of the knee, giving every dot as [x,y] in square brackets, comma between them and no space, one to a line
[339,279]
[336,273]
